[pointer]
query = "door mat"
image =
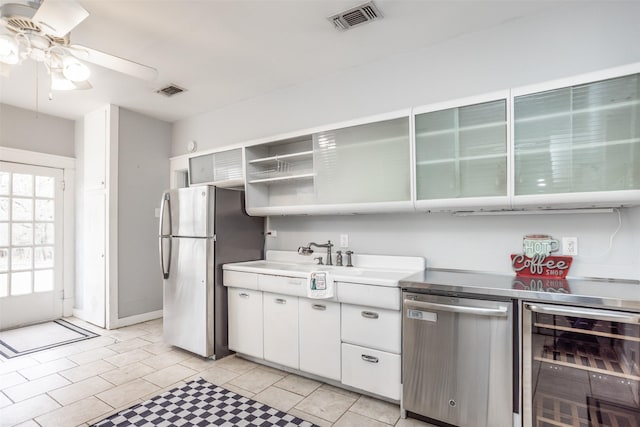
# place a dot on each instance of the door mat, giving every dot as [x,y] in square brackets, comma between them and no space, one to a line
[30,339]
[200,403]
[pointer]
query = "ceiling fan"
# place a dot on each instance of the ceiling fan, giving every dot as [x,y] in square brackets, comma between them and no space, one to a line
[40,30]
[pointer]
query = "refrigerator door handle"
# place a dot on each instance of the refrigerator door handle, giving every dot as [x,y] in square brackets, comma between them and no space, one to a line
[165,201]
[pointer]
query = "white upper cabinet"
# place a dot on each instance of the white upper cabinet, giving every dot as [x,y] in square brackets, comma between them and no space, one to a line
[222,169]
[461,154]
[577,143]
[357,167]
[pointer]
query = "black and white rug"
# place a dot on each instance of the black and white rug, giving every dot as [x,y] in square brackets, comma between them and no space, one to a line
[200,403]
[29,339]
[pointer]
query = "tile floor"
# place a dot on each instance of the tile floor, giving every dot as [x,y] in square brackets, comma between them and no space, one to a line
[81,383]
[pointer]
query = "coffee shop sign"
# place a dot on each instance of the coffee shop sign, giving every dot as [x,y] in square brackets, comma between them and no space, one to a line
[536,259]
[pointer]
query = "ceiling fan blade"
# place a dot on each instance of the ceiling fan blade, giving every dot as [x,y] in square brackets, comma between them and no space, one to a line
[113,62]
[57,17]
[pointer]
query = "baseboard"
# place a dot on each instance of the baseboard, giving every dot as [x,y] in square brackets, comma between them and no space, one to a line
[138,318]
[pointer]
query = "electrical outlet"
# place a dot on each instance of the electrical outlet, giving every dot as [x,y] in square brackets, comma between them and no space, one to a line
[344,240]
[570,246]
[272,233]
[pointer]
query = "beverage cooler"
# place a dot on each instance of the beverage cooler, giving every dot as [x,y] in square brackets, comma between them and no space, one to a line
[581,367]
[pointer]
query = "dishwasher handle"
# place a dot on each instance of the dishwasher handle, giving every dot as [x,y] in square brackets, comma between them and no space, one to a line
[502,311]
[608,315]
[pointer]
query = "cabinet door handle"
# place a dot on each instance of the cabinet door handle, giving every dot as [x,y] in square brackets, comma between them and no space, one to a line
[370,359]
[280,301]
[319,307]
[243,295]
[370,315]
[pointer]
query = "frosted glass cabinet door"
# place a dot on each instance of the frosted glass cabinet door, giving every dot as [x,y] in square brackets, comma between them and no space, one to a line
[583,138]
[222,169]
[363,164]
[461,152]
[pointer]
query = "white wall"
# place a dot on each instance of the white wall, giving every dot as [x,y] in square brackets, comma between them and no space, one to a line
[31,131]
[143,174]
[578,38]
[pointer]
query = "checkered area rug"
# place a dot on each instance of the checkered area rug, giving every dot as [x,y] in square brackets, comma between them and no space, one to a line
[200,403]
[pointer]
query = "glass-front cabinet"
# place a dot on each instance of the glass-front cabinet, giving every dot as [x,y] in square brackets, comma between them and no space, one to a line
[578,144]
[222,169]
[355,168]
[461,154]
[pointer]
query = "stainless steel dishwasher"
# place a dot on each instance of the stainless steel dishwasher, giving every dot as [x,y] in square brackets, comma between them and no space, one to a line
[457,359]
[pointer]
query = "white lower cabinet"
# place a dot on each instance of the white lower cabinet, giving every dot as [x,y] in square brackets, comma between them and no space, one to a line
[319,323]
[245,321]
[281,329]
[371,370]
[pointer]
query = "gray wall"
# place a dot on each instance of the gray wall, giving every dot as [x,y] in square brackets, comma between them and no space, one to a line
[28,130]
[577,38]
[143,174]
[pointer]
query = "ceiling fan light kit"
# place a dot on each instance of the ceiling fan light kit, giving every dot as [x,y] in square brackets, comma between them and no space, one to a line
[40,30]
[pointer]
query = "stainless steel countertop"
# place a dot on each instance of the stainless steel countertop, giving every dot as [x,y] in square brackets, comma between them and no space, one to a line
[616,294]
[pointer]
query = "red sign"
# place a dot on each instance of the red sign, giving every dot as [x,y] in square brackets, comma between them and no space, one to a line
[540,284]
[541,266]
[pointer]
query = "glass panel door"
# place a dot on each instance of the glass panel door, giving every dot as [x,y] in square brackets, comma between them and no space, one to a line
[582,138]
[30,244]
[462,152]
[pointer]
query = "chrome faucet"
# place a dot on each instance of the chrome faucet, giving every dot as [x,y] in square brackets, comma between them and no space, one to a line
[306,250]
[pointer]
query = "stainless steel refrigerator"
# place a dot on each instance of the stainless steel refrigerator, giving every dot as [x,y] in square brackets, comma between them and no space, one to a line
[202,228]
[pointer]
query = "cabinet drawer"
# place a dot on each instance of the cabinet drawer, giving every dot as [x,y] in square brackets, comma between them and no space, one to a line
[239,279]
[371,327]
[371,370]
[372,296]
[282,284]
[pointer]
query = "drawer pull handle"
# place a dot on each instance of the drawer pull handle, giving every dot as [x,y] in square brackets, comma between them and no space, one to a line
[319,307]
[243,295]
[370,359]
[370,315]
[280,301]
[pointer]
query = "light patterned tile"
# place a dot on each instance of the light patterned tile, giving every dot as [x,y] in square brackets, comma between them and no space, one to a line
[297,384]
[96,342]
[157,347]
[17,364]
[342,391]
[74,414]
[351,419]
[218,376]
[311,418]
[4,400]
[166,359]
[239,390]
[123,359]
[198,363]
[11,379]
[278,398]
[153,394]
[377,409]
[156,338]
[27,409]
[56,353]
[44,369]
[80,390]
[127,373]
[169,375]
[33,388]
[92,355]
[112,412]
[236,364]
[125,346]
[29,423]
[88,370]
[410,422]
[256,380]
[127,333]
[326,404]
[126,393]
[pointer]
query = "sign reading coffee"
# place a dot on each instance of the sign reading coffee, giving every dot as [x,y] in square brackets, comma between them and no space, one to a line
[536,259]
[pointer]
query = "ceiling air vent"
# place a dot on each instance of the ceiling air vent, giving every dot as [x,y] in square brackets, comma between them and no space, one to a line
[170,90]
[355,16]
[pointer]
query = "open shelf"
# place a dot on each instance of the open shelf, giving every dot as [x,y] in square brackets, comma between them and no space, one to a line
[282,178]
[274,160]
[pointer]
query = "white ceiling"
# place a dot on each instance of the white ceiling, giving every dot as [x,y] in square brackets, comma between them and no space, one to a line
[227,51]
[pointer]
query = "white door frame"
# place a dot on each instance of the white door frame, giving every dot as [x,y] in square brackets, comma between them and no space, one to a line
[68,166]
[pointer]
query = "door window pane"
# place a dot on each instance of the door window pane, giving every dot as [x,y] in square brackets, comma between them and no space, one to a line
[4,285]
[4,209]
[43,280]
[4,183]
[4,259]
[22,210]
[45,186]
[21,258]
[4,234]
[43,233]
[21,234]
[21,283]
[44,257]
[22,184]
[44,210]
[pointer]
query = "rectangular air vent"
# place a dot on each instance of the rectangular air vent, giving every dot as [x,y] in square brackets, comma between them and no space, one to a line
[355,16]
[170,90]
